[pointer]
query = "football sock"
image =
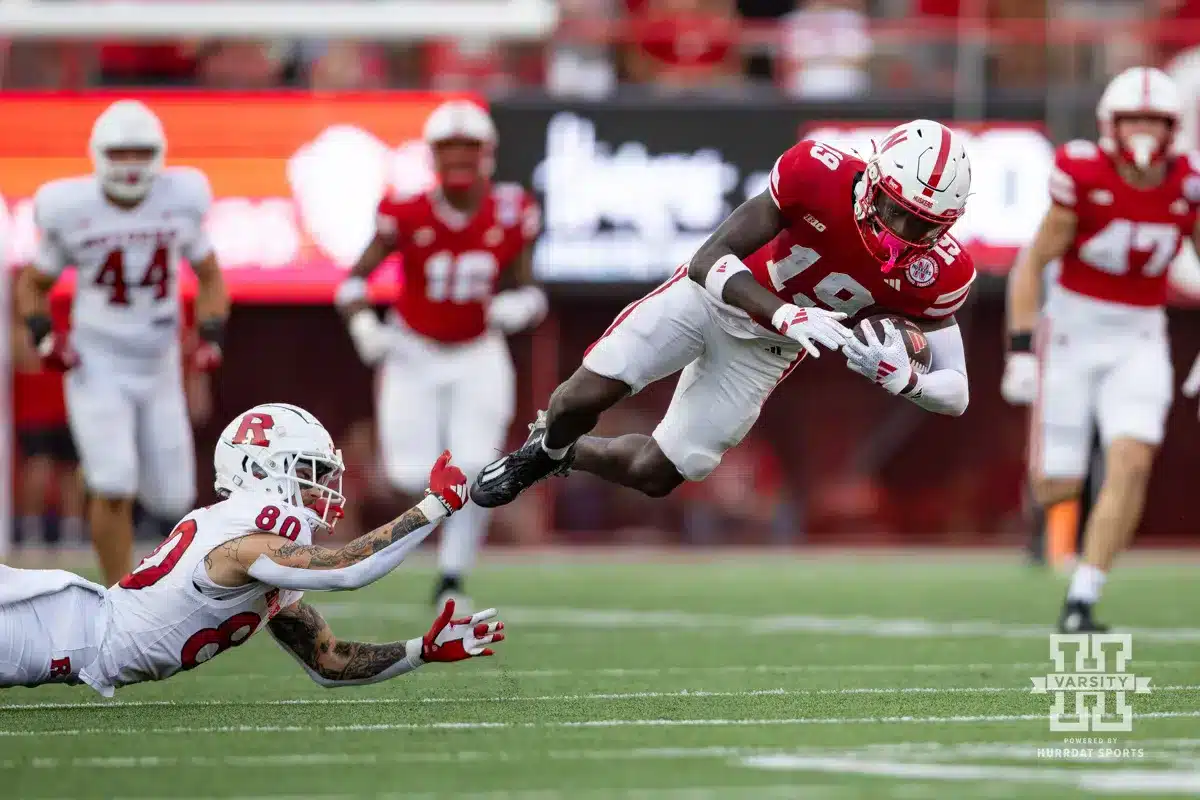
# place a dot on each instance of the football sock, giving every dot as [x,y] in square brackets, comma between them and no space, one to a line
[1086,584]
[461,537]
[32,529]
[557,453]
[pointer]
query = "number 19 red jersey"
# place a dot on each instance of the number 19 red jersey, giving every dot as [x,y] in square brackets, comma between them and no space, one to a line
[820,259]
[451,261]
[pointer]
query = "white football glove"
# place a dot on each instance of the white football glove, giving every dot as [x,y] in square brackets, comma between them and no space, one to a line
[804,325]
[1020,381]
[517,309]
[883,362]
[1191,386]
[371,338]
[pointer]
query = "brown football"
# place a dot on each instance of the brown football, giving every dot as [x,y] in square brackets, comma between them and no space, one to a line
[914,339]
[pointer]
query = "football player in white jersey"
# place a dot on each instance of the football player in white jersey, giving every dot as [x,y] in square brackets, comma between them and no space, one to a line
[125,230]
[232,568]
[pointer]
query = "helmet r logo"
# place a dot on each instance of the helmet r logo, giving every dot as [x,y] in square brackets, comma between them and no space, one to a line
[253,430]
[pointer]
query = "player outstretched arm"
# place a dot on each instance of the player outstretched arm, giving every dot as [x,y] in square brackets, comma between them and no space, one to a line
[33,287]
[944,390]
[1025,282]
[212,311]
[300,630]
[276,561]
[718,267]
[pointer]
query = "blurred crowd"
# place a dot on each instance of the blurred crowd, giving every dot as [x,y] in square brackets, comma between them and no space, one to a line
[803,48]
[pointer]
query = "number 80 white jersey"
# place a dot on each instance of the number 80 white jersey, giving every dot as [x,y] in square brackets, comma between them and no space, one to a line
[158,621]
[126,260]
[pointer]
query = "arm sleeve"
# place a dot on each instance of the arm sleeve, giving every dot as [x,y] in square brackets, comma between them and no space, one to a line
[356,575]
[412,660]
[945,389]
[199,246]
[51,257]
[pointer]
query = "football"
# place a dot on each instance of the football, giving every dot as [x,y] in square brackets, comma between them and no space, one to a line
[915,342]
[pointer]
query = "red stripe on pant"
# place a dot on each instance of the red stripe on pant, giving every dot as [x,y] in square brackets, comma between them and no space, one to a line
[629,309]
[795,363]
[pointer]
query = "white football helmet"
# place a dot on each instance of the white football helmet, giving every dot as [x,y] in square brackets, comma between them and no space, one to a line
[914,189]
[128,149]
[464,122]
[282,450]
[1138,93]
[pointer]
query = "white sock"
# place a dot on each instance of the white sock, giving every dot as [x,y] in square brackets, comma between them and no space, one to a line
[71,531]
[1086,584]
[461,537]
[557,453]
[33,529]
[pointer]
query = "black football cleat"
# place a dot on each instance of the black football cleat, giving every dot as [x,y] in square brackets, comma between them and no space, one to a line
[1076,617]
[500,482]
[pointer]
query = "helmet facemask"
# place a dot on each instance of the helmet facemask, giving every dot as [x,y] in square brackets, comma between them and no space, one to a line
[127,172]
[307,479]
[1143,139]
[893,229]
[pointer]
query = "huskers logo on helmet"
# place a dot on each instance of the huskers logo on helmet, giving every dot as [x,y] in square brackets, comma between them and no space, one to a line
[914,189]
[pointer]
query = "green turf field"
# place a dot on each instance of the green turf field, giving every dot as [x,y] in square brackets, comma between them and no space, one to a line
[786,676]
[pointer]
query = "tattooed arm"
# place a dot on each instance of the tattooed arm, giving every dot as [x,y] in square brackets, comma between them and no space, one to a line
[301,631]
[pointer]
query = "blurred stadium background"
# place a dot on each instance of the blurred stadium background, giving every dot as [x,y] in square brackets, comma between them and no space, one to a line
[638,123]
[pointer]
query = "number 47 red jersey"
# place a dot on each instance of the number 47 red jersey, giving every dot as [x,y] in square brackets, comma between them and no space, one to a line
[819,259]
[1125,237]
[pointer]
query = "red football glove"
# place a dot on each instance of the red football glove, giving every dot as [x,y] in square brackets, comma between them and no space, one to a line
[57,354]
[460,639]
[448,483]
[206,357]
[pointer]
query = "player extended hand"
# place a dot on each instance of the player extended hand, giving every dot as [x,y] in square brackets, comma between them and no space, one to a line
[56,353]
[806,325]
[1191,386]
[1020,382]
[459,639]
[884,362]
[448,483]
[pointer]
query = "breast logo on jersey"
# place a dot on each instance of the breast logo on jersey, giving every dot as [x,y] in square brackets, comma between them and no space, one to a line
[1101,197]
[922,272]
[1179,208]
[493,237]
[423,236]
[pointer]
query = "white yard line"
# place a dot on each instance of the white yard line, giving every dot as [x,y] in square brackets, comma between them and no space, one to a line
[733,669]
[1013,750]
[622,619]
[681,694]
[1120,781]
[579,724]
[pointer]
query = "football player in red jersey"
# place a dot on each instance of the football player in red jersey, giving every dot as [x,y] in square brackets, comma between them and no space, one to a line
[1120,209]
[446,377]
[833,238]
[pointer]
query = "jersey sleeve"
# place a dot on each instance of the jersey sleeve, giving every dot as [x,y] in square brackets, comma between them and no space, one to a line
[950,291]
[197,199]
[391,218]
[797,170]
[1069,175]
[51,257]
[531,219]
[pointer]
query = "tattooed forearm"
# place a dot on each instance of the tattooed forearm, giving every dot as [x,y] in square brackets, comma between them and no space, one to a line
[311,557]
[303,631]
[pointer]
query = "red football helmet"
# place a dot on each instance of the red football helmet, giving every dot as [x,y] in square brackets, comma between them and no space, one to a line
[462,137]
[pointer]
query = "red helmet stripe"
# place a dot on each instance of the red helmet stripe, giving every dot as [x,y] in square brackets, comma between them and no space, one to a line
[939,166]
[1146,88]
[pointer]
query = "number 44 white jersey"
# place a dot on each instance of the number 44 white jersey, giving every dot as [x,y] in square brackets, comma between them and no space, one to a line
[126,260]
[167,615]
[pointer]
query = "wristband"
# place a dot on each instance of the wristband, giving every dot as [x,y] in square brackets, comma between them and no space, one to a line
[39,326]
[725,268]
[212,331]
[350,291]
[1020,342]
